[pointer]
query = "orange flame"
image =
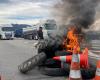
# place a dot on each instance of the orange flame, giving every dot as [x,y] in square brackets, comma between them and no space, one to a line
[71,40]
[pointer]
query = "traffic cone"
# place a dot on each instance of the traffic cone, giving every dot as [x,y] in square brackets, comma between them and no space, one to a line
[97,76]
[66,59]
[75,73]
[83,58]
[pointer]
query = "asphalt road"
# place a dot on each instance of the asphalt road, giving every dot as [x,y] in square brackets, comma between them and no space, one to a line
[14,52]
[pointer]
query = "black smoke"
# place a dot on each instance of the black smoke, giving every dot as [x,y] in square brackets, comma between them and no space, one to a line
[80,12]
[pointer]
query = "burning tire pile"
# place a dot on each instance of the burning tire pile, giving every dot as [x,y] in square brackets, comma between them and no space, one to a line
[50,67]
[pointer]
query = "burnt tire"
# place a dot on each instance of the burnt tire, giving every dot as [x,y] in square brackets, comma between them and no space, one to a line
[86,73]
[52,71]
[31,63]
[55,71]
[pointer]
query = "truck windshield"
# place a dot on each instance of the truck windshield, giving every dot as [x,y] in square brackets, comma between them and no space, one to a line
[7,29]
[50,26]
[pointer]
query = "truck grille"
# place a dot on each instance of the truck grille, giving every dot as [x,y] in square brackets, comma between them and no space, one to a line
[8,36]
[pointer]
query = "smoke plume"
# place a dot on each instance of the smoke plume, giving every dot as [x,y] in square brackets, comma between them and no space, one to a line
[78,12]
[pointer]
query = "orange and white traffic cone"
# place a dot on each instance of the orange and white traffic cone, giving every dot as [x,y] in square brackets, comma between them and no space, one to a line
[66,59]
[75,73]
[97,76]
[83,58]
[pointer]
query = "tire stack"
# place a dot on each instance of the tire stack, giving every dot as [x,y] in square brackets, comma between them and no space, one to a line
[86,73]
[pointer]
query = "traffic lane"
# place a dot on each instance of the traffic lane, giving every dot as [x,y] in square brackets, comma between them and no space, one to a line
[10,58]
[14,53]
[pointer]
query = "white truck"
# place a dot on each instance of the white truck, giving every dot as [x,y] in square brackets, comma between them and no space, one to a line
[6,33]
[30,32]
[48,26]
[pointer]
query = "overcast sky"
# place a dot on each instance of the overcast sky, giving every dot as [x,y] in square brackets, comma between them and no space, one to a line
[24,11]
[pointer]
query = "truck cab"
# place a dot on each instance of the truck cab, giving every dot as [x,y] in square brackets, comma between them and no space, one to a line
[49,27]
[6,33]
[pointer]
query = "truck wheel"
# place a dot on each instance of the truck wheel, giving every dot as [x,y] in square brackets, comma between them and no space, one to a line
[31,63]
[0,36]
[30,37]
